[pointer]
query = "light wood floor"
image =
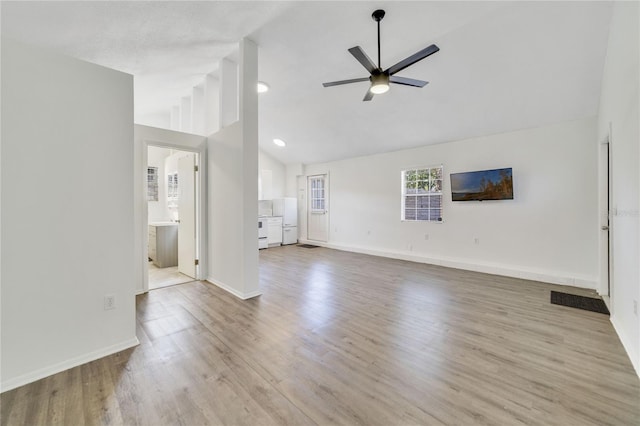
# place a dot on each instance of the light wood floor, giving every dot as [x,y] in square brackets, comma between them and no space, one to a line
[164,277]
[343,338]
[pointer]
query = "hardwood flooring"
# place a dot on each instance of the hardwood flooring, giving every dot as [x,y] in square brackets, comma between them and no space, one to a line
[344,338]
[164,277]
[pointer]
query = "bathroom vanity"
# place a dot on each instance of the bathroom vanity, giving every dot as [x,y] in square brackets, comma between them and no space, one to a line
[163,244]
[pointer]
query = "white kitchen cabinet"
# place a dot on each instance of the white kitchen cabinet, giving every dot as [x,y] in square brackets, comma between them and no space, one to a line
[163,244]
[274,236]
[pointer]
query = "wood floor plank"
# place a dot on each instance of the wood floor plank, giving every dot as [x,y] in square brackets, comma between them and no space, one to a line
[344,338]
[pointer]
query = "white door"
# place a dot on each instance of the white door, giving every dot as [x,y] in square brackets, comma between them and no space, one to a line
[187,215]
[318,209]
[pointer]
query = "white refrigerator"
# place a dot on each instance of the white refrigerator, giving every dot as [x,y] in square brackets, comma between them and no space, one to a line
[288,209]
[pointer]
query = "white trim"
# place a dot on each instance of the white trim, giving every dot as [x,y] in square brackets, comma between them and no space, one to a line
[465,264]
[200,206]
[67,364]
[229,289]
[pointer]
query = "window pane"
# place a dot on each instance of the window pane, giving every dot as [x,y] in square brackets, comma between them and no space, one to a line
[436,185]
[422,214]
[435,215]
[410,176]
[422,174]
[423,186]
[410,184]
[435,201]
[435,173]
[410,214]
[423,201]
[409,202]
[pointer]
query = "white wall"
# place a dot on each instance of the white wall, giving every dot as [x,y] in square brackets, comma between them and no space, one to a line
[274,187]
[159,119]
[67,213]
[157,210]
[619,112]
[143,137]
[198,110]
[548,232]
[292,173]
[211,104]
[233,185]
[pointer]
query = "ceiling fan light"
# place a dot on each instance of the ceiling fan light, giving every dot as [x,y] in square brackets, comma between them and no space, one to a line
[379,88]
[379,84]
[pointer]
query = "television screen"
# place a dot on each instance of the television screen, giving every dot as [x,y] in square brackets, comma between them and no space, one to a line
[482,185]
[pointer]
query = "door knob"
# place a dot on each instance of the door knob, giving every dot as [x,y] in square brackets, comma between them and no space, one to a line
[605,227]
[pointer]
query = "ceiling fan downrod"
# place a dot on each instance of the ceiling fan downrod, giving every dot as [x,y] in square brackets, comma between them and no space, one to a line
[377,16]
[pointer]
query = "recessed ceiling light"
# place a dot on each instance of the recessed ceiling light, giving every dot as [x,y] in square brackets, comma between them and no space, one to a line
[262,87]
[279,142]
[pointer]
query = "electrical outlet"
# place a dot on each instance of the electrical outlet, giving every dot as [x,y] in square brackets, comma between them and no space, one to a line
[109,302]
[476,240]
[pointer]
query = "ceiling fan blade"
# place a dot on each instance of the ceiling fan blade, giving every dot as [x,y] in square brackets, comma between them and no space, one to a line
[427,51]
[362,57]
[368,96]
[338,83]
[407,81]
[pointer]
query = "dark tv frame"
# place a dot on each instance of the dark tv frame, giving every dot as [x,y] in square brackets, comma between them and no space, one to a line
[483,195]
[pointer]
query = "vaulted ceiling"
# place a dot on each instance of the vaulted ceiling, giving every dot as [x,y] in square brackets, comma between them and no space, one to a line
[502,65]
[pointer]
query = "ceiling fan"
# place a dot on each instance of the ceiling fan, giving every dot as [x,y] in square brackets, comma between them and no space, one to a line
[380,79]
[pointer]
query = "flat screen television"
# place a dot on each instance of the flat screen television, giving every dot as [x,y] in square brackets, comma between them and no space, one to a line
[496,184]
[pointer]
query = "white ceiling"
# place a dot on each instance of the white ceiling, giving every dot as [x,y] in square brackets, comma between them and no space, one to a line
[502,65]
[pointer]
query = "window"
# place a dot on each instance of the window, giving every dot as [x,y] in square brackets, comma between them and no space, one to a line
[172,186]
[317,194]
[422,194]
[152,184]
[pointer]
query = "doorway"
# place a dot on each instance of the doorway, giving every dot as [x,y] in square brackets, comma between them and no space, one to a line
[318,208]
[172,204]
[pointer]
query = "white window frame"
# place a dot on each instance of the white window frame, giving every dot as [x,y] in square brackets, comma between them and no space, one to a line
[317,195]
[152,183]
[172,186]
[433,190]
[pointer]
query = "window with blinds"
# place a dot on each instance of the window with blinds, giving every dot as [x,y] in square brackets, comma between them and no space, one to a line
[422,194]
[152,184]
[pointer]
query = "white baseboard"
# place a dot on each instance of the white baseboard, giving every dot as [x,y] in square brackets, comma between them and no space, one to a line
[229,289]
[626,343]
[465,264]
[67,364]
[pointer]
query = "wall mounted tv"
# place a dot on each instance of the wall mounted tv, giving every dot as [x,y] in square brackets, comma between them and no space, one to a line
[482,185]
